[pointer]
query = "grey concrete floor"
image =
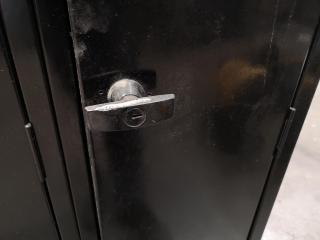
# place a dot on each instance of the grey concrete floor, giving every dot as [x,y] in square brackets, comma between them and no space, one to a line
[296,213]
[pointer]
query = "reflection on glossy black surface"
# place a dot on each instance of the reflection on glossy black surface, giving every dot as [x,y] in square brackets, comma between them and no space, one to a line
[129,216]
[233,66]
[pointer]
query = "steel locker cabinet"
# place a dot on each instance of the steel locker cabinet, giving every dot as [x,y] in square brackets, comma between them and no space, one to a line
[239,76]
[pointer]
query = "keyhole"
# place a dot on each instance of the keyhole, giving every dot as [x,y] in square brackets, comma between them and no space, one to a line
[134,117]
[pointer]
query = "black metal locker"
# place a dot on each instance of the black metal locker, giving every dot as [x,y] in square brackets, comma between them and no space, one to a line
[169,119]
[233,68]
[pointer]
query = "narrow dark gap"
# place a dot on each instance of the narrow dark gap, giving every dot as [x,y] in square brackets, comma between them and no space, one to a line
[39,45]
[84,134]
[316,35]
[36,15]
[50,206]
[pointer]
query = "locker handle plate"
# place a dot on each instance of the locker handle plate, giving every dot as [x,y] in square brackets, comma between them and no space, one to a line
[129,108]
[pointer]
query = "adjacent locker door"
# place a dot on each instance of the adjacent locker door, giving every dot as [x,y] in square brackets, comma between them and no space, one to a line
[24,209]
[233,67]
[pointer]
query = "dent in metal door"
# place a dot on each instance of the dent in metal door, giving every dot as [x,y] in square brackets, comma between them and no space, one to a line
[233,67]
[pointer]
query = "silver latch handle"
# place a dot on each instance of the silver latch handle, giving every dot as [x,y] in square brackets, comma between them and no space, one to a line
[129,108]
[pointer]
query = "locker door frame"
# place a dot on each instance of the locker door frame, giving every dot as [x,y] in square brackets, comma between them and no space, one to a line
[309,79]
[25,52]
[25,198]
[65,88]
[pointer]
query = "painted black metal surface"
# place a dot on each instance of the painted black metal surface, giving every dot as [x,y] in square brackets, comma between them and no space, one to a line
[24,207]
[234,67]
[53,24]
[20,26]
[301,102]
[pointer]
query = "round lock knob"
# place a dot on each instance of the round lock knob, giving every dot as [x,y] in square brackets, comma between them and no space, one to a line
[125,89]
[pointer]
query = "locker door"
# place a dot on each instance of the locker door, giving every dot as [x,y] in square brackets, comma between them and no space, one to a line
[184,103]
